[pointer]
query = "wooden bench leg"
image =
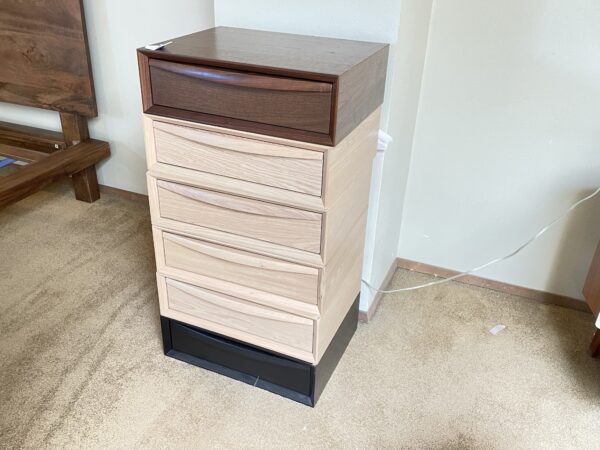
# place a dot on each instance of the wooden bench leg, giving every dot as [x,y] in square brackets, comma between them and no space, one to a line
[85,184]
[595,345]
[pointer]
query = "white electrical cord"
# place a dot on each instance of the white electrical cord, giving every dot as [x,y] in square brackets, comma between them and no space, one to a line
[494,261]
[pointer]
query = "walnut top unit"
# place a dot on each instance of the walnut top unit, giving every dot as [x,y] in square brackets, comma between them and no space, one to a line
[303,88]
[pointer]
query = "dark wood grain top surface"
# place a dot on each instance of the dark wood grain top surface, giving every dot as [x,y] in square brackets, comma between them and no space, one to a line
[44,59]
[275,52]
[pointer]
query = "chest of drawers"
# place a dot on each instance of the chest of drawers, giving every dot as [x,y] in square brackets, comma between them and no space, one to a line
[259,148]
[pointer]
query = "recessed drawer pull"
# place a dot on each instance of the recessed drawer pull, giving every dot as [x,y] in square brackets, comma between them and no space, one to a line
[222,301]
[245,206]
[238,144]
[239,257]
[241,79]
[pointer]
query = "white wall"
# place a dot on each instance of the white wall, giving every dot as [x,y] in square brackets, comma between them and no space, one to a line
[115,29]
[377,20]
[507,136]
[404,91]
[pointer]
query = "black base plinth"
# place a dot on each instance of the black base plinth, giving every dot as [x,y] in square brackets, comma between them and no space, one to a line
[291,378]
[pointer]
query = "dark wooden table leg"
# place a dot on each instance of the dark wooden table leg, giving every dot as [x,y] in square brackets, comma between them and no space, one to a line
[595,345]
[85,185]
[77,160]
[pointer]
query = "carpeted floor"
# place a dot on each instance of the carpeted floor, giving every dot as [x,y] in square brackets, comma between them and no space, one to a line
[82,364]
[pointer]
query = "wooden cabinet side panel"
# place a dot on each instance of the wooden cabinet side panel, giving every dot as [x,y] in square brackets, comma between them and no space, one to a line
[349,158]
[360,92]
[341,286]
[346,265]
[149,141]
[591,289]
[339,219]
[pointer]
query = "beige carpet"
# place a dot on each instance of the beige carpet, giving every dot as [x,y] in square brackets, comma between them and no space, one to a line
[82,364]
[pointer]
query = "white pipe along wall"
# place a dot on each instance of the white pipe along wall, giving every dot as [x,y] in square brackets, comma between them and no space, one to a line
[115,30]
[507,137]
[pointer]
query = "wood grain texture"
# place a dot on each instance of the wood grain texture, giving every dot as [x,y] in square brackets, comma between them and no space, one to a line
[591,289]
[239,315]
[241,79]
[264,221]
[177,87]
[268,299]
[240,188]
[85,185]
[345,161]
[46,44]
[85,182]
[238,124]
[340,217]
[33,177]
[359,92]
[222,237]
[145,85]
[312,57]
[74,127]
[240,158]
[21,154]
[31,138]
[341,285]
[259,149]
[241,133]
[234,240]
[345,266]
[250,98]
[237,266]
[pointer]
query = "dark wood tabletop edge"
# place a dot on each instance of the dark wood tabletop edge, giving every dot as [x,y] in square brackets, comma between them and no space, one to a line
[244,67]
[257,68]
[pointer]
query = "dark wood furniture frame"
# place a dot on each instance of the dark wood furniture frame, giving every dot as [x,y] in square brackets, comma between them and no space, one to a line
[591,292]
[46,64]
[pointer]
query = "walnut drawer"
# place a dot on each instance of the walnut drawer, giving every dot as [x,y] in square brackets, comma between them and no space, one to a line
[303,88]
[232,265]
[244,96]
[235,215]
[252,160]
[236,318]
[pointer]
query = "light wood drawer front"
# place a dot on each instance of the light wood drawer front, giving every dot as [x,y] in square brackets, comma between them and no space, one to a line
[277,326]
[245,217]
[236,157]
[240,267]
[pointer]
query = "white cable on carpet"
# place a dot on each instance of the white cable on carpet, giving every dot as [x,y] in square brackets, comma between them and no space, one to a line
[494,261]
